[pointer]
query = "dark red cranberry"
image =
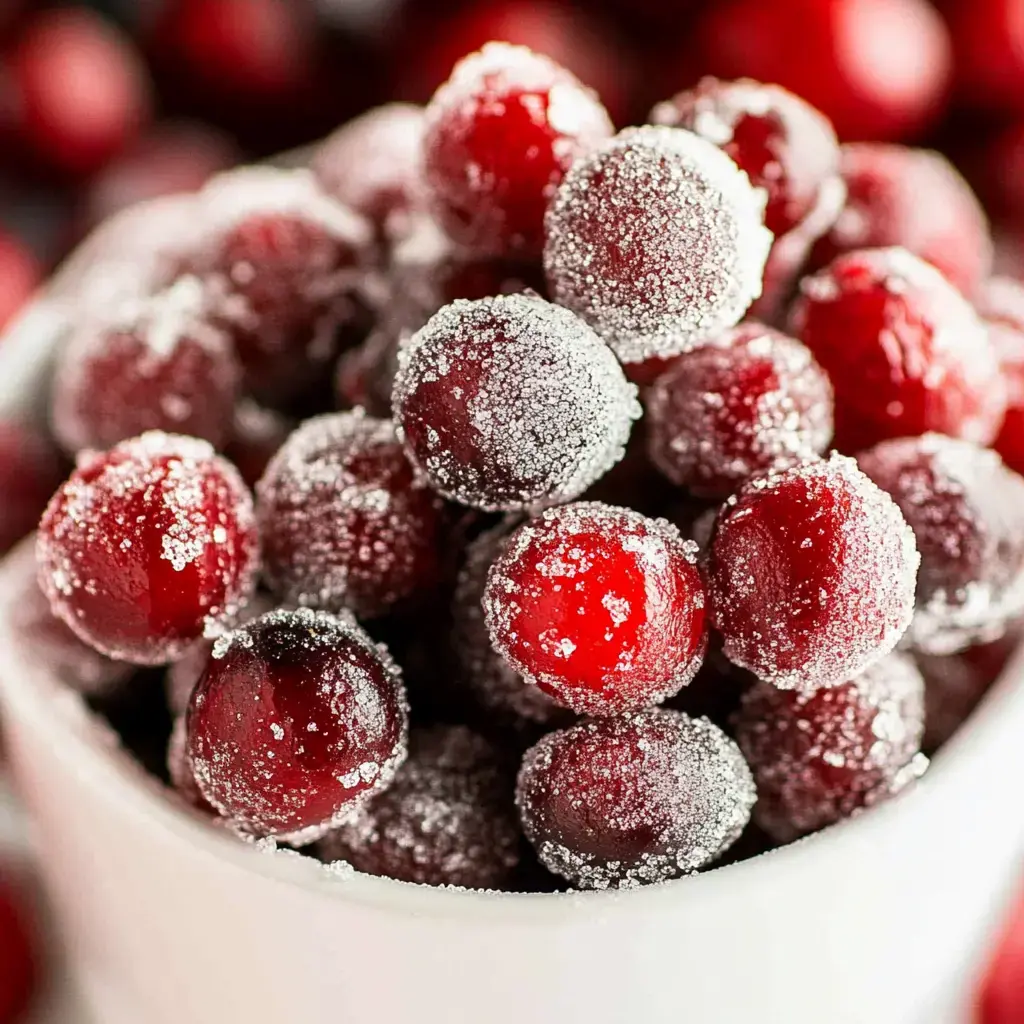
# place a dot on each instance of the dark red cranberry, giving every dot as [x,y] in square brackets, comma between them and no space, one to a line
[19,277]
[18,966]
[750,401]
[600,607]
[146,545]
[905,352]
[657,240]
[998,173]
[256,435]
[344,521]
[500,135]
[621,802]
[820,756]
[988,41]
[298,718]
[447,819]
[914,198]
[811,574]
[878,69]
[1001,305]
[29,473]
[511,402]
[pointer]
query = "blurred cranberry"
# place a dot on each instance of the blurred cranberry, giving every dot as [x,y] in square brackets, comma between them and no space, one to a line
[17,962]
[29,474]
[1000,174]
[878,68]
[988,41]
[1001,999]
[19,275]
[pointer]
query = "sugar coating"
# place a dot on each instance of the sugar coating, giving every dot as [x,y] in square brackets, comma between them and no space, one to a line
[622,802]
[547,409]
[657,240]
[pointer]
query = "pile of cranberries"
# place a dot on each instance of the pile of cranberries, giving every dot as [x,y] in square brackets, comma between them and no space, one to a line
[468,501]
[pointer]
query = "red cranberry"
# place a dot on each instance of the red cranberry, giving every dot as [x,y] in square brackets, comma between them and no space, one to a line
[29,473]
[751,401]
[783,144]
[344,521]
[875,68]
[156,364]
[988,39]
[19,277]
[914,198]
[256,435]
[511,402]
[600,607]
[500,135]
[18,970]
[999,175]
[621,802]
[905,352]
[146,545]
[447,819]
[656,240]
[297,720]
[1001,304]
[811,574]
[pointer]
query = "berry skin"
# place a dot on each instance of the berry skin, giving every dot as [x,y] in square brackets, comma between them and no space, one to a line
[500,136]
[147,545]
[751,401]
[657,240]
[905,352]
[30,472]
[343,520]
[783,144]
[819,756]
[600,607]
[811,574]
[511,402]
[988,39]
[1001,305]
[616,803]
[297,720]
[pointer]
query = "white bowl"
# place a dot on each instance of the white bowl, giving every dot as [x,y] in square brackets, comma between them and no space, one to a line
[883,919]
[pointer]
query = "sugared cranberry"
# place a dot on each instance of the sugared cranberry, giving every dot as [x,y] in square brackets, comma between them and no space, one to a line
[343,520]
[914,198]
[297,719]
[18,968]
[967,513]
[905,352]
[875,68]
[146,545]
[622,802]
[155,364]
[447,819]
[988,40]
[656,240]
[511,402]
[1001,305]
[818,756]
[753,400]
[600,607]
[500,136]
[29,473]
[256,435]
[19,277]
[783,144]
[811,574]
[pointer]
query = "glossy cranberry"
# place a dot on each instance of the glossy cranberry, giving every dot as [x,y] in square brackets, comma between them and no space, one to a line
[878,69]
[18,966]
[621,802]
[19,277]
[343,520]
[29,473]
[821,755]
[916,199]
[145,546]
[600,607]
[656,240]
[511,402]
[256,435]
[1001,305]
[500,135]
[905,352]
[298,718]
[447,819]
[988,40]
[811,574]
[751,401]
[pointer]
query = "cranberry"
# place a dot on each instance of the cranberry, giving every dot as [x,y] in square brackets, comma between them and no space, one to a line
[905,352]
[146,545]
[875,68]
[818,756]
[752,401]
[511,402]
[29,473]
[256,435]
[179,768]
[297,720]
[656,240]
[19,277]
[344,521]
[155,364]
[620,802]
[447,819]
[783,144]
[811,574]
[999,174]
[914,198]
[1001,304]
[988,38]
[500,136]
[18,969]
[600,607]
